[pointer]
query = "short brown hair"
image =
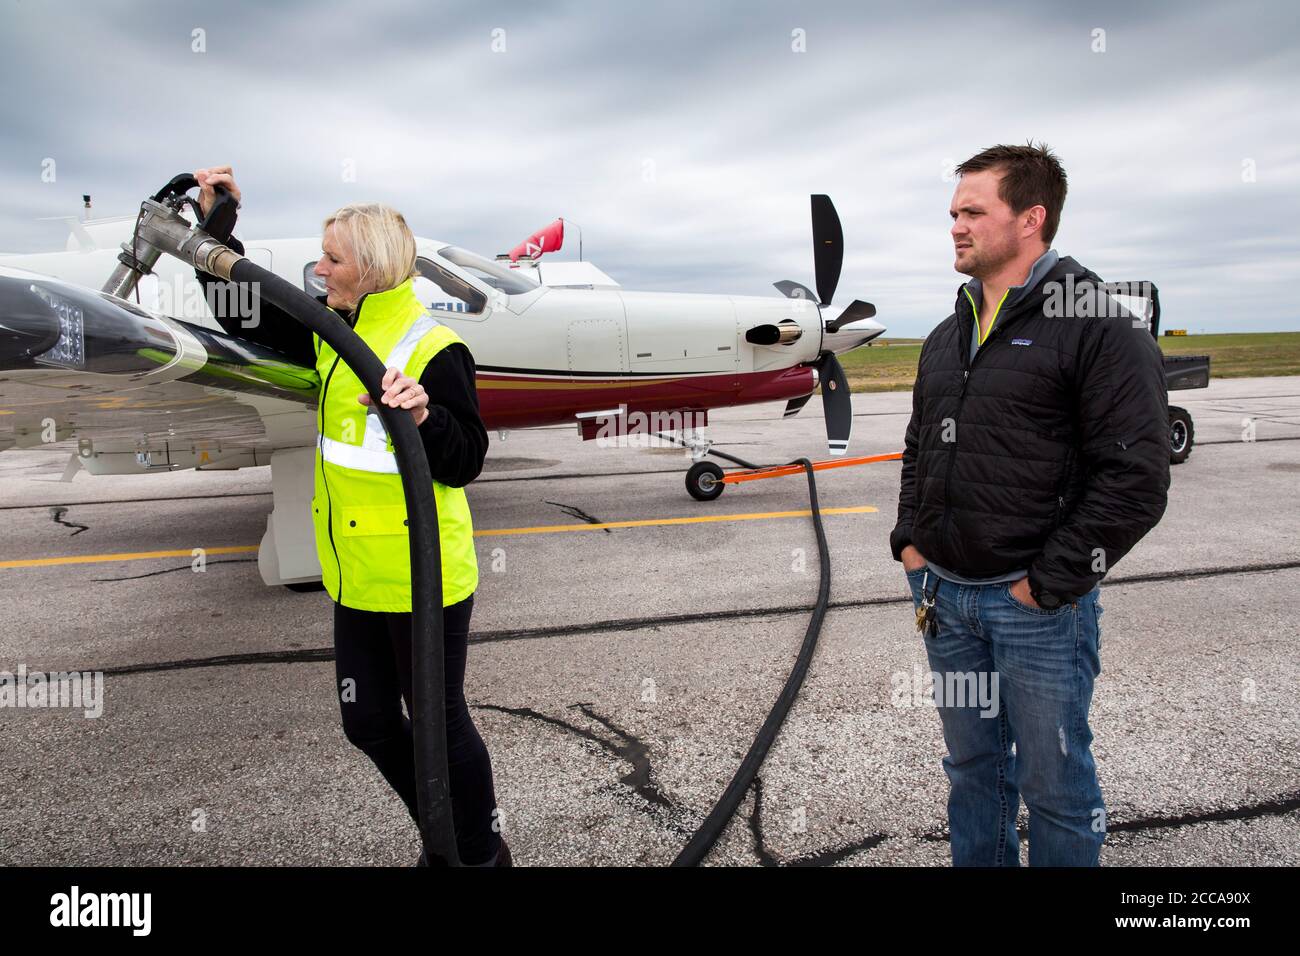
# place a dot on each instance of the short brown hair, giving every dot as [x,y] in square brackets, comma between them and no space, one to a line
[1031,176]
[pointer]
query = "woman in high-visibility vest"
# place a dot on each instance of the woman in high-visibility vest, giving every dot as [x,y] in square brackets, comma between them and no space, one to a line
[359,511]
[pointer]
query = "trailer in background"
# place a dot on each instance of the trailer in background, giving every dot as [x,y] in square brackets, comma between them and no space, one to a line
[1181,371]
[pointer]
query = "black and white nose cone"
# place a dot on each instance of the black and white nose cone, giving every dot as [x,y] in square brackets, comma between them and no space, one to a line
[29,322]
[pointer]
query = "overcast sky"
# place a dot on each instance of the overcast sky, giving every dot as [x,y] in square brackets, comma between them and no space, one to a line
[684,138]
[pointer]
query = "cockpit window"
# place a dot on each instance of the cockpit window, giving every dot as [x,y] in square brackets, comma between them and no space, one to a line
[312,284]
[436,288]
[509,281]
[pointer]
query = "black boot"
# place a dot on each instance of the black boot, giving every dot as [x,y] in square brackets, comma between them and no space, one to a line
[503,857]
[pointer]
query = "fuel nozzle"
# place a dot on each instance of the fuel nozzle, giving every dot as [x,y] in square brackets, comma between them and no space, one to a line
[160,228]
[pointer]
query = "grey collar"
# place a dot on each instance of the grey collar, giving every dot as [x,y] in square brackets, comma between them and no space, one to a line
[1042,265]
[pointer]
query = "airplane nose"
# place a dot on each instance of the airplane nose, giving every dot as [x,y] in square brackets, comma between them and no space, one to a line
[29,323]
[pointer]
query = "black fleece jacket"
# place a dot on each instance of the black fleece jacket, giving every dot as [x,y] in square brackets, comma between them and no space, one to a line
[1048,451]
[453,434]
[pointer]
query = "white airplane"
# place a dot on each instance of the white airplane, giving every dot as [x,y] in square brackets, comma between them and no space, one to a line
[157,385]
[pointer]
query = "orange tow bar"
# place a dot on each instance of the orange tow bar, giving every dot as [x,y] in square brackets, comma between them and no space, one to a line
[778,471]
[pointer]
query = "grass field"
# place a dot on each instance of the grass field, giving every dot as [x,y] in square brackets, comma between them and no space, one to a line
[890,366]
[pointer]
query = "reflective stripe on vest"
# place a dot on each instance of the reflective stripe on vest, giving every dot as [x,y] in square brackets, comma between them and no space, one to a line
[376,436]
[358,457]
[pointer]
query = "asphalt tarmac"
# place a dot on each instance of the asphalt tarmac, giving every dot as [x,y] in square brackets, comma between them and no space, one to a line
[618,674]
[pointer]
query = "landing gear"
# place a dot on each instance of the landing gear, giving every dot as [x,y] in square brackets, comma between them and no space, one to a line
[704,481]
[696,441]
[1181,435]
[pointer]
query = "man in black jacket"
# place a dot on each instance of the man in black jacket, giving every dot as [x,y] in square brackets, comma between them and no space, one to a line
[1036,457]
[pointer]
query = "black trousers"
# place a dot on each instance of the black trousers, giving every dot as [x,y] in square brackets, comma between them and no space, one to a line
[372,661]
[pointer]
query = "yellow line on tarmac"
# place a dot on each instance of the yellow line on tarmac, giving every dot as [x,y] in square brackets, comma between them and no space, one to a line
[751,516]
[123,556]
[491,532]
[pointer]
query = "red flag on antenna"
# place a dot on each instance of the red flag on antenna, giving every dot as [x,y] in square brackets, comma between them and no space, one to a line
[547,239]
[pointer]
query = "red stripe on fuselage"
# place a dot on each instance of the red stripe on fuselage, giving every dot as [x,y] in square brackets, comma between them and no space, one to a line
[525,400]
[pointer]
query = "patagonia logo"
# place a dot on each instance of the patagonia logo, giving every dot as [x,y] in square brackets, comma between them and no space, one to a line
[1022,341]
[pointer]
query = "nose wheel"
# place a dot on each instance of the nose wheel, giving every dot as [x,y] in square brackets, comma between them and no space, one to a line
[704,481]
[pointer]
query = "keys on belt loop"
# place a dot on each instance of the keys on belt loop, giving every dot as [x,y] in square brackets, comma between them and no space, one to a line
[927,622]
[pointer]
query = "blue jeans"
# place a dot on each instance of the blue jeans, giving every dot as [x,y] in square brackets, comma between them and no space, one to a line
[1034,742]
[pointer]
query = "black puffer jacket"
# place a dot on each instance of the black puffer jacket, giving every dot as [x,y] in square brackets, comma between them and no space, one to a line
[1048,451]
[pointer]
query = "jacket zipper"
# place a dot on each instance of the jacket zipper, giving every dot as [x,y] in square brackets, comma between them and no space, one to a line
[1065,484]
[968,364]
[329,501]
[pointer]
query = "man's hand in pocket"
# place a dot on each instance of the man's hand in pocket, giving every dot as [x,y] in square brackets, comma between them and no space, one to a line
[1020,591]
[911,558]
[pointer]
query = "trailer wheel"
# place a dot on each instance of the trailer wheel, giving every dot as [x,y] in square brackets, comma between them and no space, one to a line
[704,481]
[1181,435]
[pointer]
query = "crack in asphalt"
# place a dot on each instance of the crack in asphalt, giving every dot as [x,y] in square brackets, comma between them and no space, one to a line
[637,753]
[308,655]
[819,858]
[1273,807]
[573,511]
[57,512]
[628,747]
[183,567]
[765,857]
[135,501]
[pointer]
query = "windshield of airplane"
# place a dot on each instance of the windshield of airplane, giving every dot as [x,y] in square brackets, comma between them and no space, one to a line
[434,286]
[494,274]
[437,288]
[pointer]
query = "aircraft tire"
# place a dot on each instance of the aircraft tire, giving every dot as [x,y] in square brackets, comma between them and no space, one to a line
[704,481]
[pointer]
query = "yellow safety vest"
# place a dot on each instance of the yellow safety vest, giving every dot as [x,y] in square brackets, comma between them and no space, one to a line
[358,509]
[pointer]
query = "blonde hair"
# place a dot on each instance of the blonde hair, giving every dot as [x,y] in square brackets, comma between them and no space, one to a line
[381,241]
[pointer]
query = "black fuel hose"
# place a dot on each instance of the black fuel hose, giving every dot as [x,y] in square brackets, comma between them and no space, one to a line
[429,719]
[708,832]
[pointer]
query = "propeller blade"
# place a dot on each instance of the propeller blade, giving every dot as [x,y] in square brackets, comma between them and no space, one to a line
[835,403]
[857,309]
[828,246]
[795,290]
[792,407]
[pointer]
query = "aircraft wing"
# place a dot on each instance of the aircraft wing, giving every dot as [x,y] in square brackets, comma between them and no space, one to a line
[140,391]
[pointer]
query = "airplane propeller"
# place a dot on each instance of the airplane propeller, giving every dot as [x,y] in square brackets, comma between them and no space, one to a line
[828,260]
